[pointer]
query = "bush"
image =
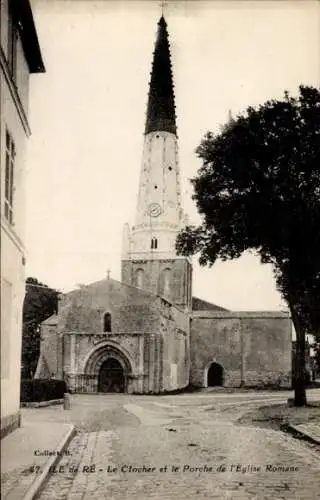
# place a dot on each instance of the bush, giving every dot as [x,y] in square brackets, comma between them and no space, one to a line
[37,390]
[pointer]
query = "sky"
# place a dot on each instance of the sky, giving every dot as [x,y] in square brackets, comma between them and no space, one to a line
[87,116]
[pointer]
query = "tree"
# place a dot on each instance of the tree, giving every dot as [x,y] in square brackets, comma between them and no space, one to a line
[39,304]
[259,189]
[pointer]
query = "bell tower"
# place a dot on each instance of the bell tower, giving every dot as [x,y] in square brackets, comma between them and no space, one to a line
[149,259]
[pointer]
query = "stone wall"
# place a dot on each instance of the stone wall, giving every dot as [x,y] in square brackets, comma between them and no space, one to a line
[254,348]
[68,339]
[131,309]
[49,350]
[152,363]
[215,339]
[267,351]
[175,355]
[134,317]
[152,336]
[152,273]
[163,352]
[146,330]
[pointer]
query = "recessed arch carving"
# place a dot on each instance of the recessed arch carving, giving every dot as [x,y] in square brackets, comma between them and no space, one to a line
[101,353]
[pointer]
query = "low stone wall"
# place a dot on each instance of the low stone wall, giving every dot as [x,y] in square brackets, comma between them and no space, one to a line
[41,404]
[267,379]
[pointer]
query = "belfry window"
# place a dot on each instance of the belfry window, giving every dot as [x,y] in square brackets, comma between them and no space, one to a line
[154,243]
[107,322]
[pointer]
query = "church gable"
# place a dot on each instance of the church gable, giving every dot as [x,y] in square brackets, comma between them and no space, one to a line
[108,306]
[51,321]
[121,292]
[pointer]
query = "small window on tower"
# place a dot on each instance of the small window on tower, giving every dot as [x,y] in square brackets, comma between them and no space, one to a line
[154,243]
[170,168]
[155,187]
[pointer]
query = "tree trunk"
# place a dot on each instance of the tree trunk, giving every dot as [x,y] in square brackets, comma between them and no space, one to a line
[300,397]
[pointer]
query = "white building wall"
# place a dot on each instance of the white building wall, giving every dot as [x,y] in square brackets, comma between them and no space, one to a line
[12,264]
[12,295]
[13,106]
[22,77]
[159,213]
[11,121]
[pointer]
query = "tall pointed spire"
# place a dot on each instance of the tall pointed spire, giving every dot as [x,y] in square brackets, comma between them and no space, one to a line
[161,108]
[149,257]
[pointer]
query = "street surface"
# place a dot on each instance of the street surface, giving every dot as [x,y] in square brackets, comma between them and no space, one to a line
[178,447]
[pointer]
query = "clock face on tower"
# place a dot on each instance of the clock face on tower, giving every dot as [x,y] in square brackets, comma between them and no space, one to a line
[154,210]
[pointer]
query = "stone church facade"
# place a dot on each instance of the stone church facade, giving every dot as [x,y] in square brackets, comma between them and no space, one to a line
[147,334]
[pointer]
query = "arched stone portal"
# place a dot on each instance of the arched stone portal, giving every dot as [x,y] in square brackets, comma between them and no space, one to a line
[110,368]
[215,375]
[111,376]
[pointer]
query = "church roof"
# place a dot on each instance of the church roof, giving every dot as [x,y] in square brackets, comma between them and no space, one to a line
[161,108]
[203,305]
[109,285]
[52,320]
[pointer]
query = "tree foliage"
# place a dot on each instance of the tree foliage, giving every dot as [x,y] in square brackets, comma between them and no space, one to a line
[39,304]
[259,189]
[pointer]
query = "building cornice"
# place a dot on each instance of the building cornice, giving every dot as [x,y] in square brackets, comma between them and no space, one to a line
[239,314]
[14,93]
[24,18]
[161,226]
[155,255]
[105,335]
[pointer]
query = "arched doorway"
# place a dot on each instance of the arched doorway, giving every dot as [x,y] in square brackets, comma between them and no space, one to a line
[111,376]
[215,375]
[109,367]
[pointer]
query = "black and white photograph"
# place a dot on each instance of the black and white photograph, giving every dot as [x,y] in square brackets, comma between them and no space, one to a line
[160,249]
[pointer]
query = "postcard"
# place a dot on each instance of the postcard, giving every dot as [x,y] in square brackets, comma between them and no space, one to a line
[160,252]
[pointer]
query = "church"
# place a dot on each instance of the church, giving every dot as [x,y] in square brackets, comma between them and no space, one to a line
[148,334]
